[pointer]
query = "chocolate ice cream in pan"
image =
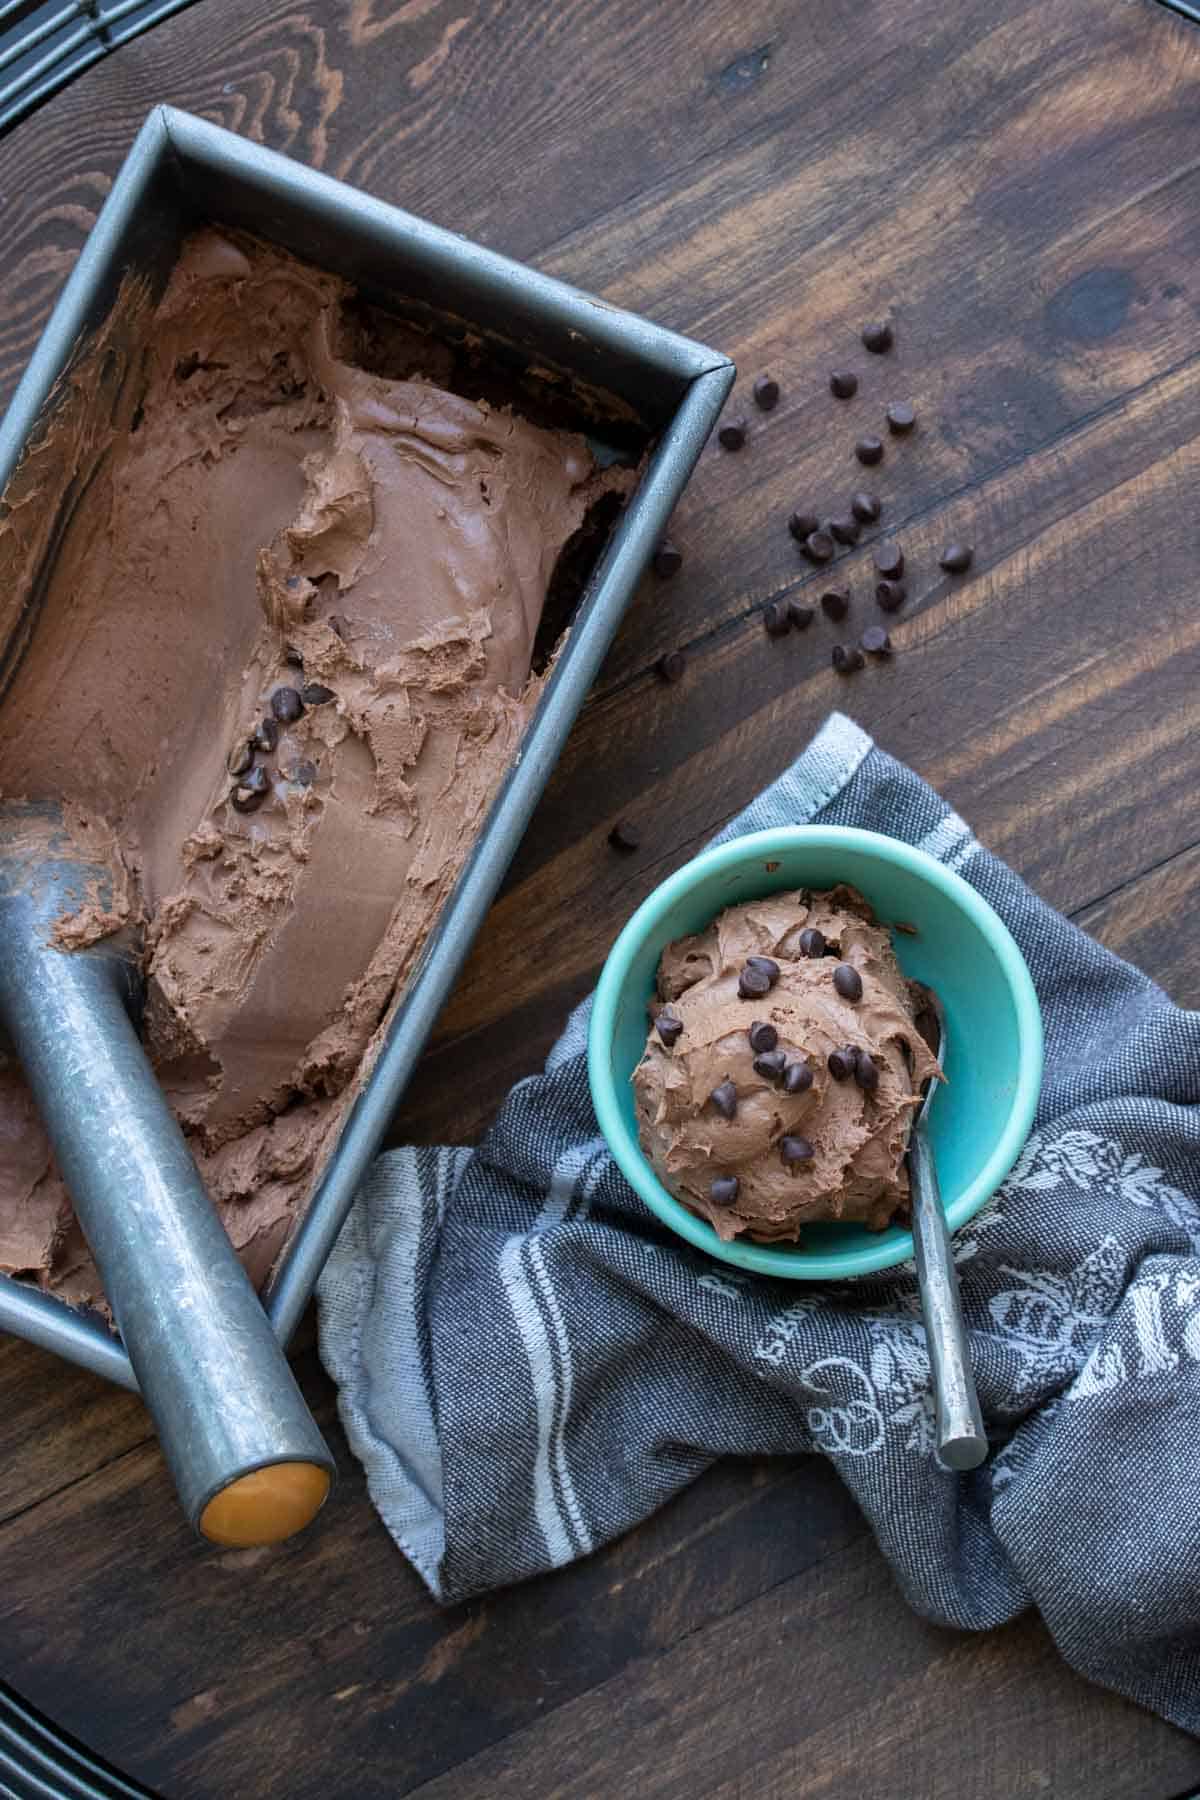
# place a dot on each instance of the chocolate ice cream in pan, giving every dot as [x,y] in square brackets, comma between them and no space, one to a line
[298,492]
[783,1068]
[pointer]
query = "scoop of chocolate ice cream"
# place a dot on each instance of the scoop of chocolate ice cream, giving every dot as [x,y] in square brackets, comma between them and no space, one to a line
[788,1095]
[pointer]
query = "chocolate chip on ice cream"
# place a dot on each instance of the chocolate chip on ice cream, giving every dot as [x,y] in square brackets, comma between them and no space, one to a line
[851,1105]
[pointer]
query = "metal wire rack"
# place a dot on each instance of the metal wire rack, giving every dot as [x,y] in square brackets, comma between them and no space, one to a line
[40,1762]
[45,43]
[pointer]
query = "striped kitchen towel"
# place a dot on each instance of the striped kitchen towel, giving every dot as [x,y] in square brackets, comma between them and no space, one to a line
[528,1363]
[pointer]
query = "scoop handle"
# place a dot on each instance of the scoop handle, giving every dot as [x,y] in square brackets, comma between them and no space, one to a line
[247,1458]
[961,1439]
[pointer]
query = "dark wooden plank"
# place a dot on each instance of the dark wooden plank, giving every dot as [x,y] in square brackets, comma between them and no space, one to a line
[1149,922]
[1050,695]
[792,1698]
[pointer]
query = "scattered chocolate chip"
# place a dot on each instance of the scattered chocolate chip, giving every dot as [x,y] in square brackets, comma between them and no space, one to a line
[625,836]
[293,658]
[891,595]
[671,666]
[286,705]
[840,1064]
[304,774]
[797,1077]
[800,614]
[901,417]
[866,507]
[770,1065]
[766,393]
[766,965]
[877,337]
[812,942]
[847,659]
[669,1029]
[846,529]
[875,641]
[802,524]
[762,1037]
[668,560]
[777,620]
[835,603]
[338,626]
[724,1098]
[315,693]
[843,384]
[848,981]
[753,984]
[733,435]
[889,560]
[724,1190]
[956,558]
[266,736]
[818,546]
[865,1072]
[240,759]
[795,1150]
[869,450]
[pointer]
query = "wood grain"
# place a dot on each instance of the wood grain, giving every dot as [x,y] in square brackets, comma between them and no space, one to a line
[1015,185]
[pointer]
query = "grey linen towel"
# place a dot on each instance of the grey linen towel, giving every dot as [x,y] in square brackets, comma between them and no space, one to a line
[528,1363]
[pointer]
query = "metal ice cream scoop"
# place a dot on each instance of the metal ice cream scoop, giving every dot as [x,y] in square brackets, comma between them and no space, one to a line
[961,1440]
[247,1459]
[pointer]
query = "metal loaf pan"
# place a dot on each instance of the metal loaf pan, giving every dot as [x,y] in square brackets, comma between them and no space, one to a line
[182,171]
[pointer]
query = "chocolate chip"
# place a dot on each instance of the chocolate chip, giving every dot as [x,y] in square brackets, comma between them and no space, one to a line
[287,705]
[802,524]
[669,1029]
[338,626]
[889,560]
[797,1077]
[762,1036]
[252,791]
[668,560]
[875,641]
[866,507]
[671,666]
[625,836]
[293,658]
[240,759]
[847,659]
[304,774]
[835,603]
[956,558]
[869,450]
[777,620]
[865,1072]
[812,942]
[848,981]
[795,1150]
[843,384]
[766,393]
[877,337]
[724,1098]
[818,546]
[733,435]
[801,615]
[901,417]
[765,965]
[724,1190]
[846,529]
[753,984]
[840,1064]
[891,595]
[315,693]
[266,736]
[770,1065]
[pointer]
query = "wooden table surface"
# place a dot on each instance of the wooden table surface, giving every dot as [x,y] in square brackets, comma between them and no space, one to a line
[1017,184]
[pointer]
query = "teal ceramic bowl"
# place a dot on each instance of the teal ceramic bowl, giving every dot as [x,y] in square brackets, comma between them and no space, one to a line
[993,1062]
